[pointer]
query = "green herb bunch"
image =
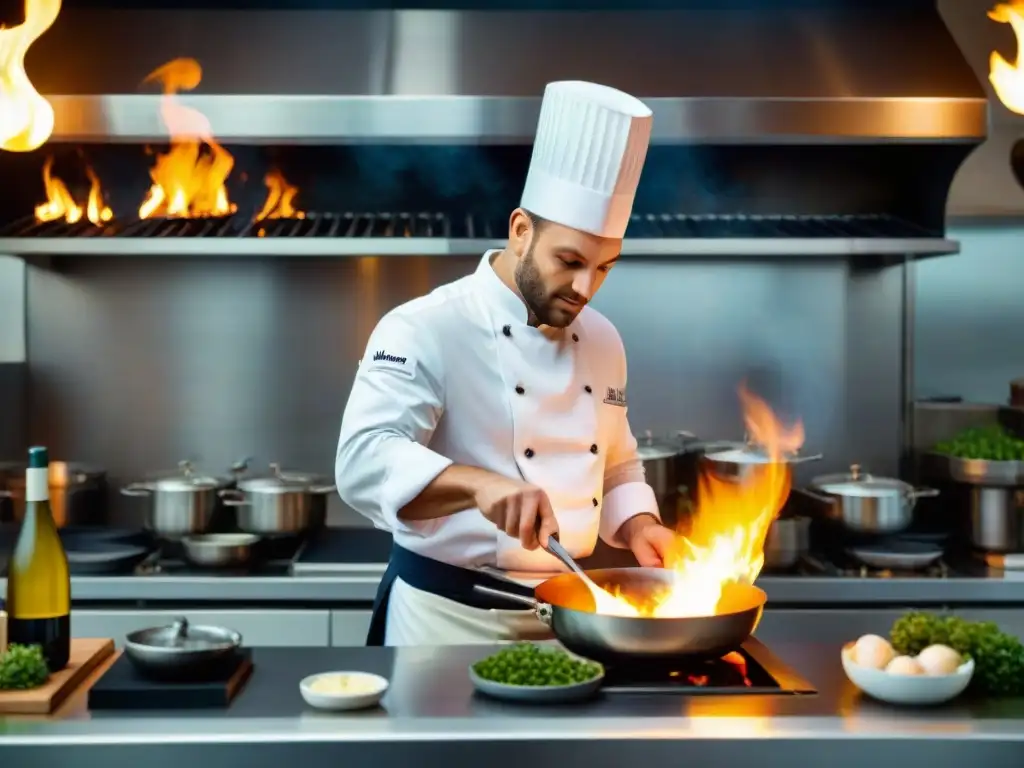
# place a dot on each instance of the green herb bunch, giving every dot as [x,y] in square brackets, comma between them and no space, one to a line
[23,667]
[991,443]
[998,656]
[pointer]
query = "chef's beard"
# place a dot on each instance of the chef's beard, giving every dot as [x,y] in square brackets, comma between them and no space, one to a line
[538,301]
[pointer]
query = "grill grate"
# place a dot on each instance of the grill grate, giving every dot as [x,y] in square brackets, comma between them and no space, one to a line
[472,227]
[447,234]
[226,226]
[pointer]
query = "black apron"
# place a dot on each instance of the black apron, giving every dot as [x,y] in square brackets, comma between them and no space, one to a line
[441,579]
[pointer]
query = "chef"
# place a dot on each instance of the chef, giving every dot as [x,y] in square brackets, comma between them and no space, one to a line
[490,414]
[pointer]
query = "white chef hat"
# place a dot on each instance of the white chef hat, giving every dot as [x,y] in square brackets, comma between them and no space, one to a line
[587,156]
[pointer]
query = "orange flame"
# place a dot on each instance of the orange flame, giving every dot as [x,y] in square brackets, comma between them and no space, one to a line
[725,544]
[188,181]
[60,203]
[280,199]
[26,118]
[1008,79]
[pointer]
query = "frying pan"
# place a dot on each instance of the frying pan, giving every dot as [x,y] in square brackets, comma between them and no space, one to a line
[565,604]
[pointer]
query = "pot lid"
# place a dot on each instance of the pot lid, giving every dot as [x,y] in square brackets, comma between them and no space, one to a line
[185,479]
[858,483]
[651,448]
[280,481]
[183,637]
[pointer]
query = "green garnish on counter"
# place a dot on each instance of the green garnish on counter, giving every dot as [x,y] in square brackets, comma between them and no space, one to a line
[22,667]
[992,443]
[998,657]
[528,664]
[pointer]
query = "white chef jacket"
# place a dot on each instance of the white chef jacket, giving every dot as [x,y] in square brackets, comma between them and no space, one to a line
[458,377]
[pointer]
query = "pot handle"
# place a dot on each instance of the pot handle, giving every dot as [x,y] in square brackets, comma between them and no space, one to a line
[232,497]
[818,497]
[802,459]
[921,493]
[136,489]
[323,489]
[543,610]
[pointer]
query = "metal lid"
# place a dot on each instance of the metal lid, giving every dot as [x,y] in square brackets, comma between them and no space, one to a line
[651,448]
[182,637]
[858,483]
[185,479]
[279,481]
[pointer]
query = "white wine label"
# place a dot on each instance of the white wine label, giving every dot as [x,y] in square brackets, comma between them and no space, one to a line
[37,484]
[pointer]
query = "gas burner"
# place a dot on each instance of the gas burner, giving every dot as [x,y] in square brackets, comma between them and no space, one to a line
[812,565]
[751,670]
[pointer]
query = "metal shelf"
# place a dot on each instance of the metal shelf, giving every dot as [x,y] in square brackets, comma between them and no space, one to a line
[300,119]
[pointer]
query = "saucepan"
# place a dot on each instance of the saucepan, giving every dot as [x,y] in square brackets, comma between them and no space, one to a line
[566,605]
[180,650]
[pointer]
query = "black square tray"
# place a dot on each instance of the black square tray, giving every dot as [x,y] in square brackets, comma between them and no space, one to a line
[124,687]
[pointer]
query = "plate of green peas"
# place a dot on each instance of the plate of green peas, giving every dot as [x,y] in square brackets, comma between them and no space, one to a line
[531,673]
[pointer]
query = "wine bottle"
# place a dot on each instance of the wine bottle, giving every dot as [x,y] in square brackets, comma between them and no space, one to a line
[38,580]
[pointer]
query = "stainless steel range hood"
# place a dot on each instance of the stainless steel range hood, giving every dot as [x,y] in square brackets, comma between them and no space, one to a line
[800,133]
[428,76]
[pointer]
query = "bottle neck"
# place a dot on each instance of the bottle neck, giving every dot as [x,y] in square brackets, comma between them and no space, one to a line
[37,484]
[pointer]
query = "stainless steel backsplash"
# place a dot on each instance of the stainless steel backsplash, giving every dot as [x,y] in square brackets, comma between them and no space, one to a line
[136,364]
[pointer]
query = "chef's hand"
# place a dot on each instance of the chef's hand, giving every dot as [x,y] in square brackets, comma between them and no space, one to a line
[519,509]
[649,540]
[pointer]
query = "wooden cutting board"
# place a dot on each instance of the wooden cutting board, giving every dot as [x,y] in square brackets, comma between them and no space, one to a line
[86,655]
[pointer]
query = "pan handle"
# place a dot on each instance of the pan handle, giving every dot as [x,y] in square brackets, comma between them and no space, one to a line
[543,610]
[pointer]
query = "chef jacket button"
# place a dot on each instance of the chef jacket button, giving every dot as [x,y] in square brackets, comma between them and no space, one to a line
[575,337]
[593,448]
[595,502]
[507,330]
[520,390]
[587,388]
[529,453]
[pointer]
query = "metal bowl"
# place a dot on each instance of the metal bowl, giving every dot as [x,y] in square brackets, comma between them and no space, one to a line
[219,550]
[181,649]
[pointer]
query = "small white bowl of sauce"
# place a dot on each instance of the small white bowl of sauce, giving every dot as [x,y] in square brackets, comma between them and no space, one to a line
[339,691]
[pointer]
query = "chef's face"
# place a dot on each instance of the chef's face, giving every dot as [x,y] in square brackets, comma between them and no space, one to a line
[559,269]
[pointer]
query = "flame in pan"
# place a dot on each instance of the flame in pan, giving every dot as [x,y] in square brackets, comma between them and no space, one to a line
[189,179]
[725,543]
[26,118]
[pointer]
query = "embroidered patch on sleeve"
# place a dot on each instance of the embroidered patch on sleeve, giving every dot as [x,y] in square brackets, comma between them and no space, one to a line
[615,396]
[382,360]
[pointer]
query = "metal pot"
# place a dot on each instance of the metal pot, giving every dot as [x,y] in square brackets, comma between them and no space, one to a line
[182,504]
[77,493]
[788,540]
[180,649]
[864,503]
[283,503]
[996,519]
[663,469]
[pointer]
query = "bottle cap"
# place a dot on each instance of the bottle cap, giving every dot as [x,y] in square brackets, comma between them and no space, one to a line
[38,457]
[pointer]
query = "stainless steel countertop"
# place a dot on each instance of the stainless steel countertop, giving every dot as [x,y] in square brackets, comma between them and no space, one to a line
[358,584]
[430,708]
[355,583]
